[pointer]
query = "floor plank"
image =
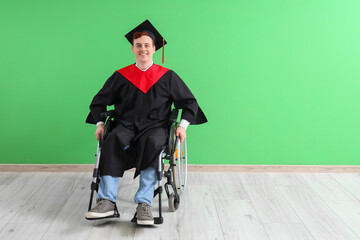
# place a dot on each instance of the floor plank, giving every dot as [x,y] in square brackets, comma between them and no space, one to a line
[285,231]
[326,187]
[23,186]
[15,196]
[8,209]
[239,220]
[198,215]
[316,216]
[70,223]
[287,179]
[44,204]
[348,212]
[350,181]
[270,205]
[6,178]
[225,186]
[21,231]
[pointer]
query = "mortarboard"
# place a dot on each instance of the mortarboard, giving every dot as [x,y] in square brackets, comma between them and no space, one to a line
[147,27]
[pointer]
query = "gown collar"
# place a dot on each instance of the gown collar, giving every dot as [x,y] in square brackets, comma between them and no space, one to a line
[145,68]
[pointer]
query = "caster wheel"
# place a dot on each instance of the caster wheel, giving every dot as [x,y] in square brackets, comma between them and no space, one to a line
[173,202]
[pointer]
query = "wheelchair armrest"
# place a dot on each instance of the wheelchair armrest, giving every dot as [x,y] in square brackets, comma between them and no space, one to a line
[174,115]
[109,113]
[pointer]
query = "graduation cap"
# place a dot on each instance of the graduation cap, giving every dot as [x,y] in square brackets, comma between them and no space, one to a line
[147,27]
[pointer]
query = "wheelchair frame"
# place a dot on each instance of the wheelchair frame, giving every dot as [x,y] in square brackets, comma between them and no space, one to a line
[176,175]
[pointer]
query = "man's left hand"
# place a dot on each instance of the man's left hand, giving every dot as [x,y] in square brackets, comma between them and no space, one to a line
[181,133]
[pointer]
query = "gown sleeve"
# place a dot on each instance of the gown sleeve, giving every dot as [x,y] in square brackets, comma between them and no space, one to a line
[185,100]
[105,97]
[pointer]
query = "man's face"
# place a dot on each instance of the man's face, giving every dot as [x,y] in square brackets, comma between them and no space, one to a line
[143,49]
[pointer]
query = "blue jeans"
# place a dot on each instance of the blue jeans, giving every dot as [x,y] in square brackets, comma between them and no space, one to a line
[108,187]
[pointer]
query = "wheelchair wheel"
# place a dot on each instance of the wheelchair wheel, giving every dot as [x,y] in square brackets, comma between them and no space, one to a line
[180,172]
[173,202]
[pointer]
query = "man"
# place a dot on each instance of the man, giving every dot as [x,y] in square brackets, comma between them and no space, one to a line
[142,94]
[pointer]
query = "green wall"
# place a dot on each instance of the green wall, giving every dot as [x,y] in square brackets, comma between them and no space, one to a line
[278,80]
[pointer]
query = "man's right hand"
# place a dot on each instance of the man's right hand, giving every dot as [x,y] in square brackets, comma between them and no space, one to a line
[99,130]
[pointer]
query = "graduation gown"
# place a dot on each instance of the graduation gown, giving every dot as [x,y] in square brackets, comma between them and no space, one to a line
[142,101]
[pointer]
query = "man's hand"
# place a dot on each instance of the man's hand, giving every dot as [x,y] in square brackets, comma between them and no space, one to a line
[99,130]
[181,133]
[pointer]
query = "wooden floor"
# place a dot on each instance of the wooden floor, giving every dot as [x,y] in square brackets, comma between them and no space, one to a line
[215,206]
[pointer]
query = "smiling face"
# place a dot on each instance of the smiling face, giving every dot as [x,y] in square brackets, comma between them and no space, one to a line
[143,49]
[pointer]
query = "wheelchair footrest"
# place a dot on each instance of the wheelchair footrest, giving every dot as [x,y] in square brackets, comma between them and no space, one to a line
[112,216]
[134,219]
[157,220]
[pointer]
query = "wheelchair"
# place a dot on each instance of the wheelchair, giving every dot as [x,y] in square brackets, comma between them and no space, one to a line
[176,175]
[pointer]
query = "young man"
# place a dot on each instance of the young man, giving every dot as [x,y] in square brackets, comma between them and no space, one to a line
[142,94]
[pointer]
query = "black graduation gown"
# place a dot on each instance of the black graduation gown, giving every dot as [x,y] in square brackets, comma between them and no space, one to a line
[143,101]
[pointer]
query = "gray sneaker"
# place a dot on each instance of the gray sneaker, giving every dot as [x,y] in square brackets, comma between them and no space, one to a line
[104,208]
[144,215]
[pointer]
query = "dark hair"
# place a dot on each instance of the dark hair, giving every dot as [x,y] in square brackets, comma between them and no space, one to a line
[139,35]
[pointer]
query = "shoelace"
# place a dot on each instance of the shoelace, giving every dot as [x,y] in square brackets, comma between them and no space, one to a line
[100,203]
[144,206]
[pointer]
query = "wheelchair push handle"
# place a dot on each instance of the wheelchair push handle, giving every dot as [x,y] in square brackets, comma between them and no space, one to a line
[109,113]
[174,115]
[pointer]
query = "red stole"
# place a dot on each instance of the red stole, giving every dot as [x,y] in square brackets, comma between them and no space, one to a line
[143,80]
